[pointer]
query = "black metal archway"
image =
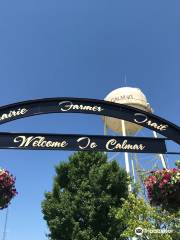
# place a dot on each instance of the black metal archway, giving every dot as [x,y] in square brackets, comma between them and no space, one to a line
[40,141]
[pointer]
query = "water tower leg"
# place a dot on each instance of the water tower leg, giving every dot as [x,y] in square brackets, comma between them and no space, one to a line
[126,154]
[105,129]
[161,156]
[132,166]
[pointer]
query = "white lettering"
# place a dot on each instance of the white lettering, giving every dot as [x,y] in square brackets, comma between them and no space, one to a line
[66,106]
[38,141]
[142,118]
[13,113]
[113,144]
[88,143]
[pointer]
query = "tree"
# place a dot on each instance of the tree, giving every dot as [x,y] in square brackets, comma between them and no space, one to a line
[135,213]
[86,193]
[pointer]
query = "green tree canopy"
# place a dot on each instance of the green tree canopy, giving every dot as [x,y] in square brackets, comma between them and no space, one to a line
[135,212]
[86,193]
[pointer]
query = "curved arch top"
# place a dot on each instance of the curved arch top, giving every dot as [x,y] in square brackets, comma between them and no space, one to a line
[90,106]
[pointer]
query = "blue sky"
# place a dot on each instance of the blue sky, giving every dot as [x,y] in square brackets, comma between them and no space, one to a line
[79,49]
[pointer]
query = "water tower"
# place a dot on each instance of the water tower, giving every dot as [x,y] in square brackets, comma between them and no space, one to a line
[128,96]
[132,97]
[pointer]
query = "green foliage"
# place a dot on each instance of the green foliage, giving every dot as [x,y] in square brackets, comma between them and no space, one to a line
[177,163]
[86,194]
[135,212]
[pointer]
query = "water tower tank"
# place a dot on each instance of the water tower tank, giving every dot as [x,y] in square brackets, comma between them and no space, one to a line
[129,96]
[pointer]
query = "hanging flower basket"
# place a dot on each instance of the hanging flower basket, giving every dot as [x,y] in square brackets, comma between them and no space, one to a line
[7,188]
[163,188]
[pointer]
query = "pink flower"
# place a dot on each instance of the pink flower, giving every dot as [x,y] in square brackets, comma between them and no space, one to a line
[7,188]
[165,181]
